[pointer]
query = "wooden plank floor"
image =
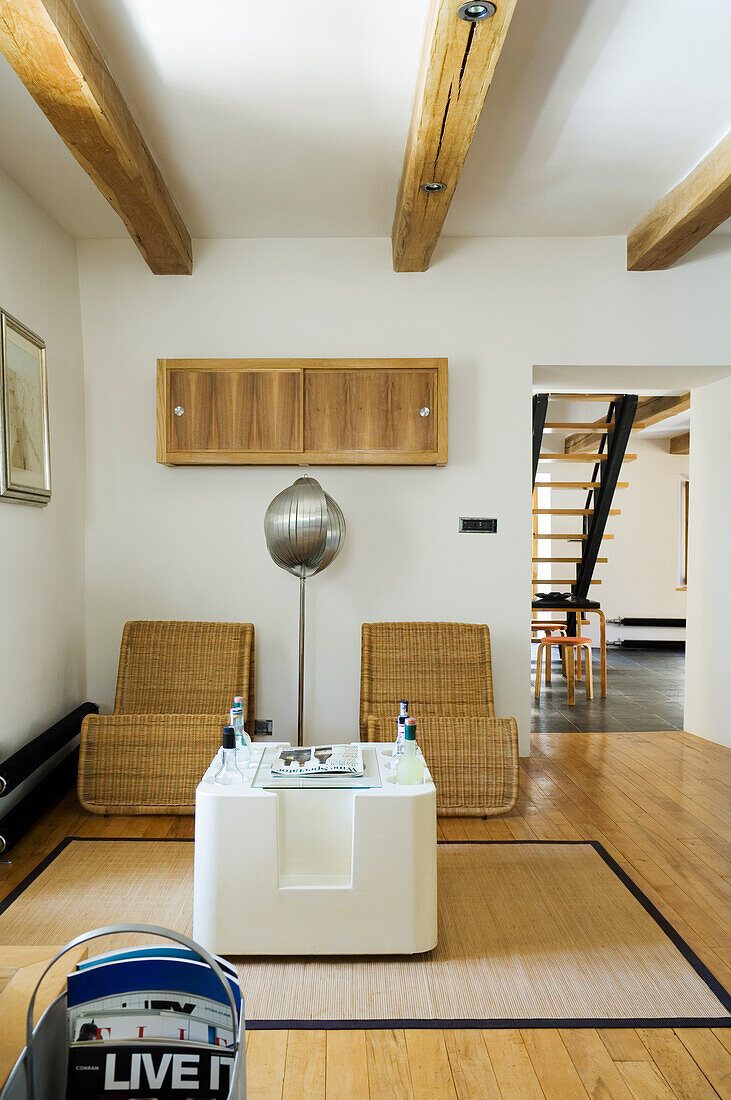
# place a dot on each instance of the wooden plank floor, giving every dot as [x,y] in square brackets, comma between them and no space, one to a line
[659,803]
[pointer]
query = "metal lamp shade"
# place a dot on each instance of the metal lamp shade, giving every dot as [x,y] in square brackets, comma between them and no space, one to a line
[304,528]
[304,531]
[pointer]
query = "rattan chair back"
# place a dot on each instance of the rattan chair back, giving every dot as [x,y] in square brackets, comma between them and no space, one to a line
[441,668]
[185,668]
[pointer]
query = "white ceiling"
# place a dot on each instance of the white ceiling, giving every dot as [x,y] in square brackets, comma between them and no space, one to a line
[645,380]
[665,429]
[655,382]
[290,120]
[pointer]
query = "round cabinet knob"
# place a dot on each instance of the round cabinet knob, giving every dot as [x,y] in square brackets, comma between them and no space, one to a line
[424,410]
[178,410]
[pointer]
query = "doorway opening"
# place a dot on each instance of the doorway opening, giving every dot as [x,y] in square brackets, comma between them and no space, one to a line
[610,538]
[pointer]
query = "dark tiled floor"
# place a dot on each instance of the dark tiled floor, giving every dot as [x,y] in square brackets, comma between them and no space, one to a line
[645,691]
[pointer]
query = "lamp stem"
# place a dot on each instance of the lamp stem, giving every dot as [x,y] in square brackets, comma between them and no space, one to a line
[301,695]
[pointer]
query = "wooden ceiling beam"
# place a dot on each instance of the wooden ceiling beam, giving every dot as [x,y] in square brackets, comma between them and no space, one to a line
[457,65]
[50,48]
[650,410]
[687,214]
[680,444]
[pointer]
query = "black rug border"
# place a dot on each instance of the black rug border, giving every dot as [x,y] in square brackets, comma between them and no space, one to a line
[706,976]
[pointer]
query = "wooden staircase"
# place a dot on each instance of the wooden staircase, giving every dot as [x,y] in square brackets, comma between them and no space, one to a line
[599,487]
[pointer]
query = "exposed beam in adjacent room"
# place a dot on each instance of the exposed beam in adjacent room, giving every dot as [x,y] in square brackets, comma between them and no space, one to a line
[687,214]
[457,65]
[650,410]
[680,444]
[50,48]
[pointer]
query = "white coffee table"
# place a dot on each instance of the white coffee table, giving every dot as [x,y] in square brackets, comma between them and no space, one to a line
[316,870]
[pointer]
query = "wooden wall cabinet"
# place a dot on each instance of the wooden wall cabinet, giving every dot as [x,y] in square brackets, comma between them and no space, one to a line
[302,412]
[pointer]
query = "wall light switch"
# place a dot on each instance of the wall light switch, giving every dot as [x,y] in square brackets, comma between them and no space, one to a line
[263,727]
[485,526]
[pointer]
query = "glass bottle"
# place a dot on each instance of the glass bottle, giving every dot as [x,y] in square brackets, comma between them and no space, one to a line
[229,774]
[398,747]
[410,766]
[239,701]
[243,741]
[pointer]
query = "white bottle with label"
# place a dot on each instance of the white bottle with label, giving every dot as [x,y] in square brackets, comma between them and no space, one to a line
[243,741]
[239,701]
[410,765]
[398,747]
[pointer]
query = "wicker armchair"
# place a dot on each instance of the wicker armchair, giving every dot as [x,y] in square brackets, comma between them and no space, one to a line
[175,684]
[445,671]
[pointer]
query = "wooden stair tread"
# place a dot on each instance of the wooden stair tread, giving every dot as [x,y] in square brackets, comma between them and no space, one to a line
[570,561]
[577,485]
[572,511]
[580,456]
[574,538]
[605,397]
[553,581]
[588,426]
[565,425]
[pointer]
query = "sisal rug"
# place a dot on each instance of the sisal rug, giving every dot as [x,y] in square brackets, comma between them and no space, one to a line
[531,934]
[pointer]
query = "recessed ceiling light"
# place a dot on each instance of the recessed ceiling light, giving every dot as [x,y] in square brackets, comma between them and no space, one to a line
[433,188]
[475,13]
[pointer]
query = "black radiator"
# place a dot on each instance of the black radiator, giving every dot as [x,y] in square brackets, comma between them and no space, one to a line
[647,622]
[25,814]
[22,764]
[643,642]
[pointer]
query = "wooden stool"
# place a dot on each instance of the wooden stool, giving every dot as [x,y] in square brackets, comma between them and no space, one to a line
[567,649]
[585,612]
[581,612]
[548,627]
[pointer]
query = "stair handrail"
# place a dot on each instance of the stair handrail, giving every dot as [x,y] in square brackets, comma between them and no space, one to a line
[625,409]
[597,471]
[540,406]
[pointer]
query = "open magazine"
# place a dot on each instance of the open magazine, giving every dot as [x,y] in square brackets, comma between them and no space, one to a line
[319,760]
[150,1024]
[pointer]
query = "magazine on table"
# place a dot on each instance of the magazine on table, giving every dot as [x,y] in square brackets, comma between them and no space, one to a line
[319,760]
[151,1024]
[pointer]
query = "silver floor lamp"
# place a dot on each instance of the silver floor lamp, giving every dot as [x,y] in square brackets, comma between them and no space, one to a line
[304,530]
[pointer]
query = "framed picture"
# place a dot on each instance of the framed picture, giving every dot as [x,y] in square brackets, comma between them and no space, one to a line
[25,462]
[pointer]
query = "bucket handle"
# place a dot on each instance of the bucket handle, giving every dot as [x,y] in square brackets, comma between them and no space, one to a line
[112,930]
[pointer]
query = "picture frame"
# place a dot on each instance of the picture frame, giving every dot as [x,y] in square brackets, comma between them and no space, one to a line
[25,458]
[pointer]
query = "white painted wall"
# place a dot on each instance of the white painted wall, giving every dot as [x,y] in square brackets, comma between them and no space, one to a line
[708,669]
[179,543]
[641,576]
[42,647]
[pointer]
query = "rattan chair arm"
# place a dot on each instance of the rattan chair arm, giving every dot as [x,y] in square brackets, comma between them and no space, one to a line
[145,763]
[473,761]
